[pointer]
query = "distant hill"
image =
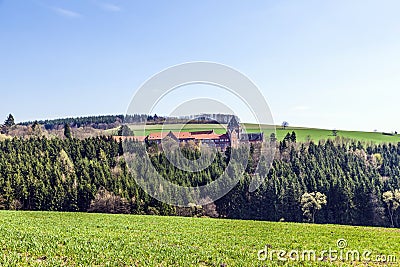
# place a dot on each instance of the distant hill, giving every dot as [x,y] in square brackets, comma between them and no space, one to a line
[111,123]
[97,122]
[78,172]
[303,134]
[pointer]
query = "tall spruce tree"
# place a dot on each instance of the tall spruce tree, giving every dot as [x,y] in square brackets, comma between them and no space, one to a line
[67,131]
[9,121]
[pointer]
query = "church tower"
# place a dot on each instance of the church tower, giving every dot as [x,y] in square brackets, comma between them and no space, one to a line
[233,130]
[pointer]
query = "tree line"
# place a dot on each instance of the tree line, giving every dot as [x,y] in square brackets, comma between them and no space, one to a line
[333,181]
[97,122]
[111,121]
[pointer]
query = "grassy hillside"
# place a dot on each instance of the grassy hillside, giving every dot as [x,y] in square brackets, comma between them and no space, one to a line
[303,134]
[79,239]
[137,128]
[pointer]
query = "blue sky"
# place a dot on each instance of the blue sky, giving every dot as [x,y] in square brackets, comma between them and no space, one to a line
[327,64]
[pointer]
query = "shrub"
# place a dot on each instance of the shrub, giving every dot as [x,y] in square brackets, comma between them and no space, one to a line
[108,202]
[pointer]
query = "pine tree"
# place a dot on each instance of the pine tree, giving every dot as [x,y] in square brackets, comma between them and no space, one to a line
[67,131]
[9,121]
[293,137]
[124,130]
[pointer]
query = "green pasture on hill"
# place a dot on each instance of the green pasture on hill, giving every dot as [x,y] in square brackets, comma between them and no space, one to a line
[303,134]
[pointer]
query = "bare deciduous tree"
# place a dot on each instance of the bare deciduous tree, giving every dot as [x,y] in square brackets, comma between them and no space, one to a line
[107,202]
[311,203]
[210,209]
[392,200]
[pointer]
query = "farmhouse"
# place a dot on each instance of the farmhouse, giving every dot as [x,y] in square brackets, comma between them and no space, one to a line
[233,136]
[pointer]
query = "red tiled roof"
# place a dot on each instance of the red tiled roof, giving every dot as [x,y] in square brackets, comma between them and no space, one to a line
[207,136]
[162,135]
[183,135]
[199,135]
[140,138]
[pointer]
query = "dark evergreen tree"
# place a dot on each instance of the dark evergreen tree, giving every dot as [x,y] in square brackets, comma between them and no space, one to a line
[293,137]
[124,130]
[9,121]
[66,175]
[67,131]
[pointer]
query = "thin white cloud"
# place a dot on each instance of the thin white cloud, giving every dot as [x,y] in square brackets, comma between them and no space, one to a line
[66,13]
[110,7]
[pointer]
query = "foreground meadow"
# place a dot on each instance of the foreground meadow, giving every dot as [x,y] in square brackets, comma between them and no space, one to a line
[80,239]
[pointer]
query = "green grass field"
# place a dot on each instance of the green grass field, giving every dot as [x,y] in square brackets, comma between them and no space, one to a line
[80,239]
[303,134]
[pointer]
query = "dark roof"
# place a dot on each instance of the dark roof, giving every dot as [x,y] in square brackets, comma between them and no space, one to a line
[172,135]
[224,136]
[203,132]
[233,123]
[253,137]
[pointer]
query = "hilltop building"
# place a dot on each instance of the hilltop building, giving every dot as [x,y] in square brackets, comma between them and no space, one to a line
[233,136]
